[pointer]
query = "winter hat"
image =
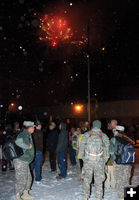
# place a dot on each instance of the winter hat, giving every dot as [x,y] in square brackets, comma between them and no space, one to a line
[28,124]
[38,123]
[16,123]
[119,128]
[97,124]
[52,124]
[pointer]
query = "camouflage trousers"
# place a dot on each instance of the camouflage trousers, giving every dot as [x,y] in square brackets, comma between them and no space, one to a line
[23,176]
[98,170]
[122,176]
[110,174]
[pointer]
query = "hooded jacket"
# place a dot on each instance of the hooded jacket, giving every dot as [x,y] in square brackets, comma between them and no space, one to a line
[62,138]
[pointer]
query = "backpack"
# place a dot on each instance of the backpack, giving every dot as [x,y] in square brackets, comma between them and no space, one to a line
[74,142]
[95,143]
[125,153]
[75,139]
[11,150]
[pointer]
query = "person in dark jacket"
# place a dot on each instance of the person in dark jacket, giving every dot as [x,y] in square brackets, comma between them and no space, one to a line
[61,150]
[72,152]
[52,144]
[16,130]
[7,135]
[38,143]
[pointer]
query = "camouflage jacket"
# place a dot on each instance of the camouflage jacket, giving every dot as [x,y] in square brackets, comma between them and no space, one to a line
[23,140]
[84,143]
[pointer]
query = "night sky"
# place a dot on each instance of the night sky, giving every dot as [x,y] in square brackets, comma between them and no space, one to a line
[34,73]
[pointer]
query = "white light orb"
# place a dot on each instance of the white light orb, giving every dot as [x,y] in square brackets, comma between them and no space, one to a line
[20,108]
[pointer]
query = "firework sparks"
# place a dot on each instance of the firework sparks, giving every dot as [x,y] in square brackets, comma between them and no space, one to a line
[55,30]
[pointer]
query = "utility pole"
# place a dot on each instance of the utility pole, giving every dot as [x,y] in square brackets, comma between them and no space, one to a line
[88,59]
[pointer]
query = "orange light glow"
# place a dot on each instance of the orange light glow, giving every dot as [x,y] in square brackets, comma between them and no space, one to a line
[78,108]
[103,48]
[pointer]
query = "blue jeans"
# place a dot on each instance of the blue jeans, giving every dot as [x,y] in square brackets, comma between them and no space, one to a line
[72,155]
[62,163]
[37,164]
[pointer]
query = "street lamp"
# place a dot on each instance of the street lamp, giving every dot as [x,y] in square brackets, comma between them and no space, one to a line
[12,104]
[103,49]
[78,108]
[12,107]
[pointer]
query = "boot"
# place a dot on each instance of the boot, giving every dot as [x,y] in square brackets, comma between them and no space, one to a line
[17,197]
[27,196]
[59,177]
[85,199]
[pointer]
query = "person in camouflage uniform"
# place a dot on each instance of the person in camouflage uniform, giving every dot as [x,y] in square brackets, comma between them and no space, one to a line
[21,164]
[122,172]
[94,150]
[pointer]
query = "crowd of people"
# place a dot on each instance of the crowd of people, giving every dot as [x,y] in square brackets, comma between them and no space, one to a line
[90,150]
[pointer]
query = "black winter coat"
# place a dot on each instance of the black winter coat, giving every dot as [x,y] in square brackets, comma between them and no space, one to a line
[52,140]
[38,140]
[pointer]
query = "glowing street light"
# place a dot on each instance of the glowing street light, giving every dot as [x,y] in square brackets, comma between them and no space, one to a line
[78,108]
[103,49]
[12,107]
[12,104]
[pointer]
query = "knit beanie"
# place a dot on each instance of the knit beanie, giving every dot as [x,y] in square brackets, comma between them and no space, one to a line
[97,124]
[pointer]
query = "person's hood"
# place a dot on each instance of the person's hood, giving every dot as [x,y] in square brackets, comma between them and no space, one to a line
[63,126]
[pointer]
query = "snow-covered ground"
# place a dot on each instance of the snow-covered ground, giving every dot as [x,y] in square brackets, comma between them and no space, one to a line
[51,189]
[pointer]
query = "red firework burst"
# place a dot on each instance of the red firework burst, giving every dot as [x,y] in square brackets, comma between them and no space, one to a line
[55,30]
